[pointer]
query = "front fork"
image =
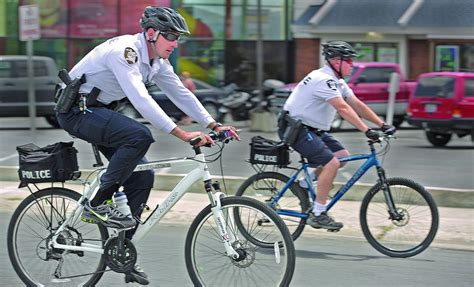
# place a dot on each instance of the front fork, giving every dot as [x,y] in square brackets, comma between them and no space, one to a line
[392,209]
[222,219]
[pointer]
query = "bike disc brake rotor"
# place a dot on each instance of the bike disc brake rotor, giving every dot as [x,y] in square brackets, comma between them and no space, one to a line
[120,261]
[246,256]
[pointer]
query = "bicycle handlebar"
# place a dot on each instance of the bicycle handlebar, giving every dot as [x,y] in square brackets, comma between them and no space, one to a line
[221,136]
[382,136]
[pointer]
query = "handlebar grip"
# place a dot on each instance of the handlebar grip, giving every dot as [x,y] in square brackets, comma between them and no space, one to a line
[195,141]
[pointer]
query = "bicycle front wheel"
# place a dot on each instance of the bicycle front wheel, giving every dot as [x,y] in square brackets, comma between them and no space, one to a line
[31,229]
[208,263]
[265,185]
[406,233]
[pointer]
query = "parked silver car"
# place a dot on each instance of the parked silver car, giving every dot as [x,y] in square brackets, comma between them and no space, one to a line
[14,87]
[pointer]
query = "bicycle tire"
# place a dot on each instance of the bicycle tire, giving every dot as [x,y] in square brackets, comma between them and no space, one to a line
[208,264]
[32,225]
[262,186]
[405,237]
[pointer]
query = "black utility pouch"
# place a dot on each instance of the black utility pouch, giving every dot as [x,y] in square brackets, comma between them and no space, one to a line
[292,129]
[70,94]
[53,163]
[269,152]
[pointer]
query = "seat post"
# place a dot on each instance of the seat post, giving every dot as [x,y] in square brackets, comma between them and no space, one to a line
[98,159]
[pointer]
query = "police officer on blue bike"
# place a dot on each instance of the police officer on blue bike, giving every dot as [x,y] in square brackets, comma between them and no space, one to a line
[314,103]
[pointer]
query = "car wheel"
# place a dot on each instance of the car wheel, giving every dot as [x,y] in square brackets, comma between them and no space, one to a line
[213,110]
[52,120]
[438,139]
[337,123]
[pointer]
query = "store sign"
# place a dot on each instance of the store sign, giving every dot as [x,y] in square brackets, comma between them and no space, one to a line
[447,58]
[29,22]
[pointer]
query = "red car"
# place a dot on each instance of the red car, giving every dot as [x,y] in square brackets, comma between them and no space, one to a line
[443,104]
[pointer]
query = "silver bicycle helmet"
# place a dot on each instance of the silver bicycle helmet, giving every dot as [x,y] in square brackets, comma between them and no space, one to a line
[163,19]
[341,49]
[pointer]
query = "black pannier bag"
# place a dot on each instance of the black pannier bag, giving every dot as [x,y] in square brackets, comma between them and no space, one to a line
[53,163]
[268,152]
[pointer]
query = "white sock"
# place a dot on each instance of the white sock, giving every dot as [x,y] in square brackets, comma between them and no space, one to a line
[319,208]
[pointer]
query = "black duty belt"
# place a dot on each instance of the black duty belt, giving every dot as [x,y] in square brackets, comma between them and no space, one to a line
[316,131]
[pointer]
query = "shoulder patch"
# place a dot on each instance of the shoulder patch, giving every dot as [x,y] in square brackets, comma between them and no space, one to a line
[130,55]
[332,84]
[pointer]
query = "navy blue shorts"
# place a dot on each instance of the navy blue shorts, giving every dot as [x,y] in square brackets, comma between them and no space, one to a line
[317,149]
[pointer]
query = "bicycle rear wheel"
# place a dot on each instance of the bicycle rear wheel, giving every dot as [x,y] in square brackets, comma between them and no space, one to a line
[206,259]
[416,225]
[265,185]
[31,229]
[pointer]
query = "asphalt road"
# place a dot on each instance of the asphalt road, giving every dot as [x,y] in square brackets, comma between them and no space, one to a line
[328,259]
[411,155]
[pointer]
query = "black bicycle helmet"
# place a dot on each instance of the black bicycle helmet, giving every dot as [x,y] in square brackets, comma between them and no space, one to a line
[341,49]
[163,19]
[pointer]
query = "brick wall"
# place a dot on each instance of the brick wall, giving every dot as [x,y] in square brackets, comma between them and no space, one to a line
[306,57]
[419,58]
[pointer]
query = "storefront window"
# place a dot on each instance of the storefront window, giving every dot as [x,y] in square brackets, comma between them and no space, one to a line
[241,67]
[376,52]
[454,58]
[202,53]
[244,20]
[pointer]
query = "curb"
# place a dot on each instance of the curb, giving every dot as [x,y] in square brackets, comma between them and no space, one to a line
[444,197]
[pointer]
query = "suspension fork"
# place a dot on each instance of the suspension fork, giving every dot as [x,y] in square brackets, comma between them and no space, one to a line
[387,194]
[221,218]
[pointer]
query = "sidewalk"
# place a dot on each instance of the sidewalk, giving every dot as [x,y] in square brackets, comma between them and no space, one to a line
[456,228]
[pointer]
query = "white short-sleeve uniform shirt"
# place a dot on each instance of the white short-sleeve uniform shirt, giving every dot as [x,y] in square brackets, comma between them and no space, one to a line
[309,100]
[120,67]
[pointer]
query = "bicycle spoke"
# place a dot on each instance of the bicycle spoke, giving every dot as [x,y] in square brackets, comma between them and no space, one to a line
[256,264]
[413,226]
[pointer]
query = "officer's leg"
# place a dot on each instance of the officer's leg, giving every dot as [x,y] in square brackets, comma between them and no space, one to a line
[138,187]
[123,141]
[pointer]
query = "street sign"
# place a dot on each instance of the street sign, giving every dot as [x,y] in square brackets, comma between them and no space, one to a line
[28,18]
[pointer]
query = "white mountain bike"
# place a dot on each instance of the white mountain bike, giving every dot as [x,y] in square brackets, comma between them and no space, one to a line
[48,244]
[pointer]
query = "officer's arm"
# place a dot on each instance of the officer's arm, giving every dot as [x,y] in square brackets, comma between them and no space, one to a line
[130,80]
[364,111]
[348,113]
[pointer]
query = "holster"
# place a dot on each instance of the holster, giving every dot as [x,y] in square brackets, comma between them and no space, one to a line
[290,126]
[64,98]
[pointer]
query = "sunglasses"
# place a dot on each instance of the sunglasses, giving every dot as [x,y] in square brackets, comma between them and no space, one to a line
[348,60]
[170,36]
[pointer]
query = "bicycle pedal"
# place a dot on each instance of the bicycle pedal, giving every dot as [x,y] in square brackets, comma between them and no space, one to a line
[88,220]
[333,230]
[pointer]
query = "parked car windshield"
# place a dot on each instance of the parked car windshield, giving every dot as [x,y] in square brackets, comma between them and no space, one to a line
[435,87]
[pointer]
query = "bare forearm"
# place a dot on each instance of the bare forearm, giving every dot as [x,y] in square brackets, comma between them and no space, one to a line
[367,113]
[351,116]
[179,133]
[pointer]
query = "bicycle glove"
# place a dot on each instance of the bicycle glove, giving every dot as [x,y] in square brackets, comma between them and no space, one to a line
[371,134]
[388,129]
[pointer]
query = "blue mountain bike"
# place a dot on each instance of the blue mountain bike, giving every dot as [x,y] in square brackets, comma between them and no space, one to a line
[399,218]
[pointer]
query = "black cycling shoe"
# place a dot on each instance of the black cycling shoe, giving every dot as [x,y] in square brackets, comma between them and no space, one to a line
[323,221]
[137,275]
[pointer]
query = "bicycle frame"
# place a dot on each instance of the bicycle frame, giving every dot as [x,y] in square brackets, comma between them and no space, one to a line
[371,161]
[200,171]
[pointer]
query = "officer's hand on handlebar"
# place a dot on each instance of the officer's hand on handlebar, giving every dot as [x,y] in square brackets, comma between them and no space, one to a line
[371,134]
[205,139]
[231,129]
[388,129]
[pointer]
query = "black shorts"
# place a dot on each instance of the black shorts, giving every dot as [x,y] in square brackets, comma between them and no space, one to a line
[318,149]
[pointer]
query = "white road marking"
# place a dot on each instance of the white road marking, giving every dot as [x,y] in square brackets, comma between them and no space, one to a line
[8,157]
